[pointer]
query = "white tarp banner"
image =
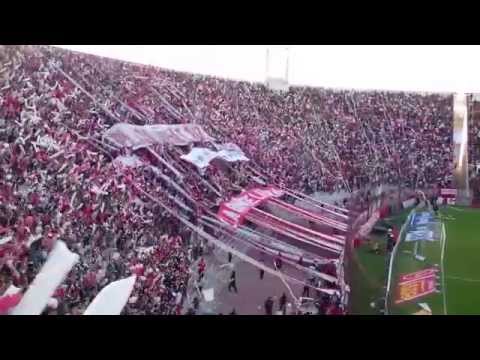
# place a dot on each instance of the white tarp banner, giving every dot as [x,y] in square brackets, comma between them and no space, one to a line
[137,136]
[52,274]
[201,157]
[132,161]
[112,298]
[5,239]
[231,152]
[408,203]
[208,294]
[12,290]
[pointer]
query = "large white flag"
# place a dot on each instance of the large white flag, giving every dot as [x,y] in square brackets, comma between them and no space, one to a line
[112,298]
[52,274]
[231,152]
[201,157]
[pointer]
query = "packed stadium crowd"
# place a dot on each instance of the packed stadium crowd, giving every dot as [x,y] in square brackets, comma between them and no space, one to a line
[58,179]
[474,133]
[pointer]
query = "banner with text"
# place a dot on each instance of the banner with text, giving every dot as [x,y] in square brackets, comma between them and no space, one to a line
[234,210]
[415,285]
[448,195]
[423,227]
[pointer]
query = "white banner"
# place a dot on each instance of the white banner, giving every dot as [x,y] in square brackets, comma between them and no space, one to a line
[36,298]
[12,290]
[5,239]
[132,161]
[208,295]
[137,136]
[201,157]
[418,235]
[408,203]
[112,298]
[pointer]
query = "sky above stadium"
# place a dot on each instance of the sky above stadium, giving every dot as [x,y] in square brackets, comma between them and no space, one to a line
[409,67]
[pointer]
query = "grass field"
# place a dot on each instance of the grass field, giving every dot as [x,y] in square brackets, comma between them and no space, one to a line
[461,276]
[369,273]
[462,261]
[404,262]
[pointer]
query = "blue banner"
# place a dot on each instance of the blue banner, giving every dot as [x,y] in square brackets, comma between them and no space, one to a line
[423,226]
[420,235]
[422,218]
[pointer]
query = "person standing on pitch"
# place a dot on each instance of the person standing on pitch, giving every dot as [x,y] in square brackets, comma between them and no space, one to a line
[233,282]
[262,260]
[435,207]
[229,257]
[196,303]
[278,261]
[269,306]
[262,273]
[306,291]
[201,268]
[283,303]
[390,240]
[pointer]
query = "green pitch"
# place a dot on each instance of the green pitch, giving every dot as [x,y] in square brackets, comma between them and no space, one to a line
[460,293]
[462,260]
[461,268]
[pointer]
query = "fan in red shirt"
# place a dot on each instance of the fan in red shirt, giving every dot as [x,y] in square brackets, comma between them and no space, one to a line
[201,266]
[8,302]
[49,240]
[30,222]
[22,232]
[90,280]
[138,269]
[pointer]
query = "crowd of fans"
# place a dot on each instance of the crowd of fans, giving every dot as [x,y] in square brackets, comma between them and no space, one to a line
[474,132]
[474,148]
[58,179]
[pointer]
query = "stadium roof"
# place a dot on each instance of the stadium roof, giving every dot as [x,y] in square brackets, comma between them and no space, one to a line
[439,68]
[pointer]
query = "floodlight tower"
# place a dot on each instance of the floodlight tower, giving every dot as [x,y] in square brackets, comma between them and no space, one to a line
[277,66]
[460,139]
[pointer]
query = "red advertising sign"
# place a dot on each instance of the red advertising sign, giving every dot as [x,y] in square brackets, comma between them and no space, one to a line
[415,285]
[418,275]
[448,193]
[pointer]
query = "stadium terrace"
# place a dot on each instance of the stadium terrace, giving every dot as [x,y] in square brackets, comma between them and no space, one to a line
[134,190]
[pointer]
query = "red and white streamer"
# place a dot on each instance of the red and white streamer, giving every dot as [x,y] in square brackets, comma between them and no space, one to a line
[325,237]
[319,204]
[311,216]
[296,235]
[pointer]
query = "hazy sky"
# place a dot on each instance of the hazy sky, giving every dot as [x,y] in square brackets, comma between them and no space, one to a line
[409,67]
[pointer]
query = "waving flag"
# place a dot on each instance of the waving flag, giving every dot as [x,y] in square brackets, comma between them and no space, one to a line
[52,274]
[112,298]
